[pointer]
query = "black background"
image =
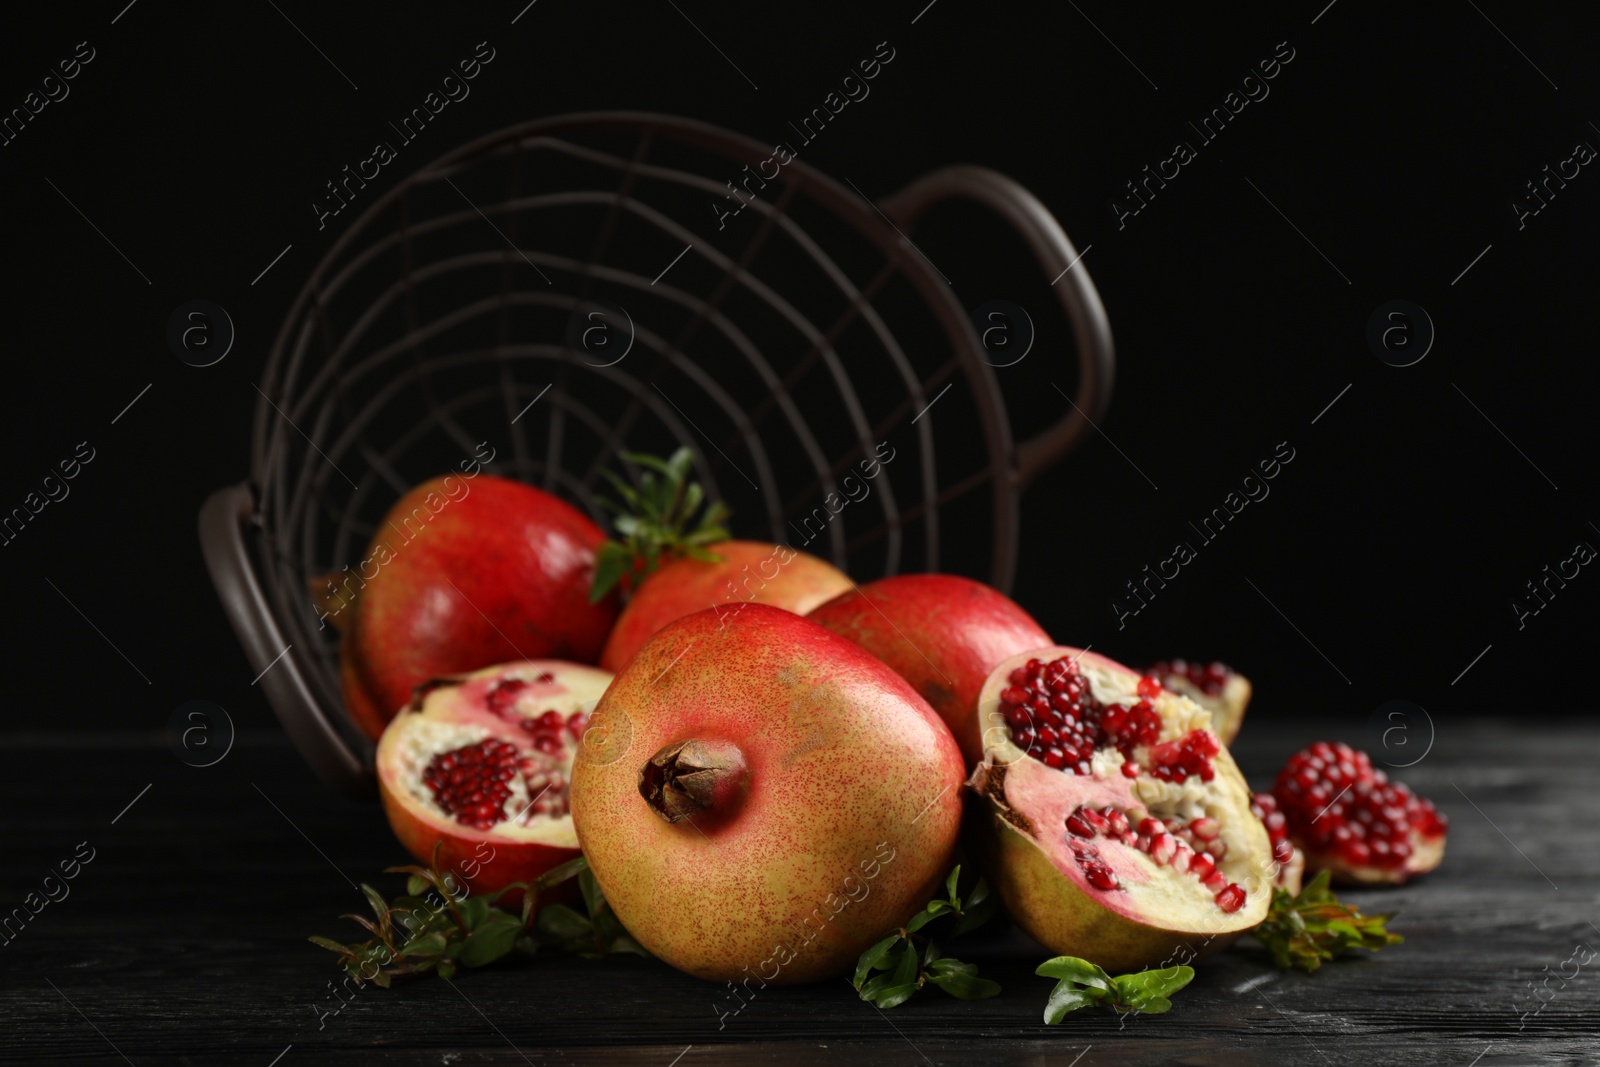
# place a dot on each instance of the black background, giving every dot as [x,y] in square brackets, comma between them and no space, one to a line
[1395,140]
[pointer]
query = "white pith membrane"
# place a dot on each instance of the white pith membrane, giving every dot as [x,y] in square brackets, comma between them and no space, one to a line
[1154,886]
[457,714]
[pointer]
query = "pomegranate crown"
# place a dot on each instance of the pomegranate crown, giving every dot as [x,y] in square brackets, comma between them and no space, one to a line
[653,519]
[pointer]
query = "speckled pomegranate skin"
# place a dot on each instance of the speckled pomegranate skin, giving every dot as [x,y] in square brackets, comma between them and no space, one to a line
[752,572]
[940,632]
[847,818]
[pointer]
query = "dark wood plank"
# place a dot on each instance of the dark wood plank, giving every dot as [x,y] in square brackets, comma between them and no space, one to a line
[183,941]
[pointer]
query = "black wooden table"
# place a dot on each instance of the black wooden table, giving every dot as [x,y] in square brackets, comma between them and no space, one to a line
[183,940]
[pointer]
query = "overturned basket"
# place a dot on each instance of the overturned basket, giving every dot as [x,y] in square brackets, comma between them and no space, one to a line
[557,292]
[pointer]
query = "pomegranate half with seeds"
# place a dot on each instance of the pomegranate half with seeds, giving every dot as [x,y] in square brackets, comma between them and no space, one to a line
[1348,818]
[1119,828]
[764,799]
[940,632]
[483,763]
[1215,686]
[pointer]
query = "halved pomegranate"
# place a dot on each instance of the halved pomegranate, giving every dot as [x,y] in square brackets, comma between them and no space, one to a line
[1215,686]
[1347,817]
[483,762]
[1120,828]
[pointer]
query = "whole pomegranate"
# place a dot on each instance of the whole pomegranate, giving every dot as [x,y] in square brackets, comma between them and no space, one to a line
[762,799]
[1215,686]
[941,633]
[748,572]
[1347,817]
[463,574]
[483,763]
[1119,828]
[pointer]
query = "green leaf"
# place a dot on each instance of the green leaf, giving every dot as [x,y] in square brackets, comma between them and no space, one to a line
[654,520]
[906,969]
[950,886]
[556,875]
[1158,983]
[965,985]
[331,945]
[430,944]
[873,959]
[1073,969]
[560,921]
[491,941]
[593,899]
[1065,997]
[895,995]
[379,906]
[926,916]
[1152,1005]
[416,885]
[447,969]
[1313,926]
[474,910]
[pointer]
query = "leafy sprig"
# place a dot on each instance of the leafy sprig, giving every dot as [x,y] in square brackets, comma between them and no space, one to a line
[437,926]
[1305,929]
[1082,984]
[654,521]
[911,959]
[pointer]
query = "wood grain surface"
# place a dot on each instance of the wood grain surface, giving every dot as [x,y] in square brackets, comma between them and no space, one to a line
[183,940]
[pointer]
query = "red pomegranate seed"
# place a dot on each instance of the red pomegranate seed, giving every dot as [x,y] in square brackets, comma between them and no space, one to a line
[1150,826]
[1130,769]
[1214,881]
[469,783]
[1202,865]
[1230,899]
[1078,825]
[1149,687]
[501,698]
[1163,848]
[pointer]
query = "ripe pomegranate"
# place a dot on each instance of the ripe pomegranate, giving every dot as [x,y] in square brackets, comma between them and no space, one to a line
[1119,828]
[1215,686]
[1347,817]
[483,762]
[466,574]
[765,800]
[749,572]
[941,633]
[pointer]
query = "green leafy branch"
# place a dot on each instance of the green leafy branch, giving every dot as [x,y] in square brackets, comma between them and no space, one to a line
[1082,984]
[1304,930]
[437,926]
[653,520]
[911,959]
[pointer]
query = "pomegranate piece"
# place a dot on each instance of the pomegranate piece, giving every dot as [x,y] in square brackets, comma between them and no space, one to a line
[1120,829]
[1291,863]
[764,799]
[464,573]
[1347,817]
[941,633]
[483,762]
[1215,686]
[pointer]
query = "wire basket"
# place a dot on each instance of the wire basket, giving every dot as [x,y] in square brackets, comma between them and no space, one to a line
[571,288]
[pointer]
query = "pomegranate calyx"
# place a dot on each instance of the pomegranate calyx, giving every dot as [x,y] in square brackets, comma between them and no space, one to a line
[691,777]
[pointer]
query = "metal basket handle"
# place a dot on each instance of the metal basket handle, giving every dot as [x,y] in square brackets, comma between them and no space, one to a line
[1080,301]
[337,760]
